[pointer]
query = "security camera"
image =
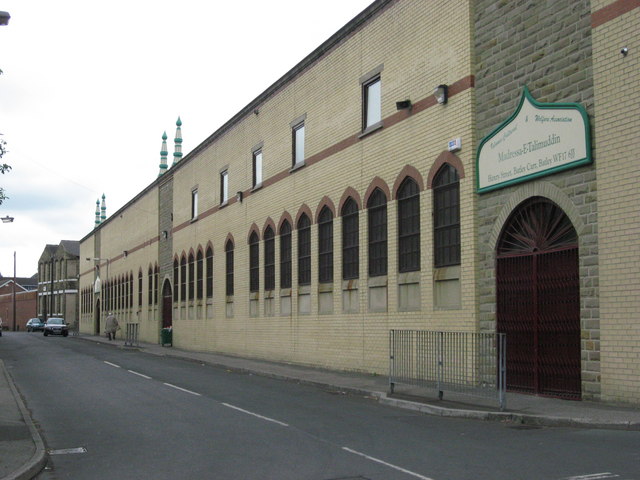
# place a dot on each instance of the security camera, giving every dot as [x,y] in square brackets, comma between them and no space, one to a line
[624,51]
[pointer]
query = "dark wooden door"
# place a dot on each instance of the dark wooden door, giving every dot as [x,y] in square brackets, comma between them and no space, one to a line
[167,305]
[538,301]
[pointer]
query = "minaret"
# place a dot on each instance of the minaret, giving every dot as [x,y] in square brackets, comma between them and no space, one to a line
[163,155]
[103,210]
[177,154]
[97,222]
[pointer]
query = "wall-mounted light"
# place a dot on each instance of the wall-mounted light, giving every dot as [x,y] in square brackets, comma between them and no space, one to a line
[165,234]
[404,105]
[441,93]
[624,51]
[239,196]
[125,253]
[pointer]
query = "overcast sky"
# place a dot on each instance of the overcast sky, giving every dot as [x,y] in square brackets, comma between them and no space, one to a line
[89,87]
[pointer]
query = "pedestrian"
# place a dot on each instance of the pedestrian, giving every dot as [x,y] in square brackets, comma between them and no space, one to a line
[111,326]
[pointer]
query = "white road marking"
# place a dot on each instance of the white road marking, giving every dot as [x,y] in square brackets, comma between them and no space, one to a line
[183,389]
[139,374]
[255,415]
[395,467]
[66,451]
[112,364]
[593,476]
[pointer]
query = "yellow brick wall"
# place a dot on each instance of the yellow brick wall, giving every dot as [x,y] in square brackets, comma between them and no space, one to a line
[617,103]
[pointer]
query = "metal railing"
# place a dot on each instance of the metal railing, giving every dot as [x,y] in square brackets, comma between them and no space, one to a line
[131,335]
[464,362]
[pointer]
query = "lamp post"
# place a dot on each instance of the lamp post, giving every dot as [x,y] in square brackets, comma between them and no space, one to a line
[95,289]
[13,293]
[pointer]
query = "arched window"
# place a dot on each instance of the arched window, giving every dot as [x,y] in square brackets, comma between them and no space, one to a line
[156,277]
[209,266]
[446,217]
[175,280]
[254,262]
[199,274]
[304,250]
[130,289]
[228,249]
[183,278]
[269,259]
[192,276]
[325,245]
[150,286]
[408,226]
[350,240]
[285,255]
[140,288]
[377,216]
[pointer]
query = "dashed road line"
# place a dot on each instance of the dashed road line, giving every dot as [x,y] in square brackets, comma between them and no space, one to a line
[182,389]
[112,364]
[390,465]
[256,415]
[139,374]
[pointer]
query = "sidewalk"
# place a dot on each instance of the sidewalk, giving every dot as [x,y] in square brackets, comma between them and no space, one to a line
[25,454]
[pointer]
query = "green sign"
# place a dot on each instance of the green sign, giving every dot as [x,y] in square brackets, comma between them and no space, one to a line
[538,139]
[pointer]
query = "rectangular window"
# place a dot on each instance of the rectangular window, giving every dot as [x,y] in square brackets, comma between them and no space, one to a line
[372,103]
[194,204]
[224,186]
[257,168]
[298,144]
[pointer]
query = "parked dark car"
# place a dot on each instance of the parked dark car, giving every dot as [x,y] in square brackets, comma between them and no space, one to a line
[56,326]
[35,324]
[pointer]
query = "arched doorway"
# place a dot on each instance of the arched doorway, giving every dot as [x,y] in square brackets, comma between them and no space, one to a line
[167,305]
[96,322]
[538,300]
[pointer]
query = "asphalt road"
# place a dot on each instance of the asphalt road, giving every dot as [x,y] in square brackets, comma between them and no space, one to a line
[109,413]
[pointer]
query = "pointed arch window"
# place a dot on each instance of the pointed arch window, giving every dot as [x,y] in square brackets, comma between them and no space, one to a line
[304,250]
[228,250]
[183,279]
[149,286]
[350,240]
[156,277]
[209,268]
[325,245]
[285,255]
[199,274]
[175,280]
[446,217]
[254,262]
[377,217]
[408,226]
[140,288]
[269,260]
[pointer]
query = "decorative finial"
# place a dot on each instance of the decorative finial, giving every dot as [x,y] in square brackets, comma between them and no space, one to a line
[177,154]
[97,221]
[163,155]
[103,210]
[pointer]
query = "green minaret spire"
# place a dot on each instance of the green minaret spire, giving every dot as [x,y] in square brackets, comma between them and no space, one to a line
[103,210]
[97,222]
[163,155]
[177,154]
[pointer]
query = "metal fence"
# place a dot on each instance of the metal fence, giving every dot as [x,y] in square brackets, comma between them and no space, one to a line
[463,362]
[131,335]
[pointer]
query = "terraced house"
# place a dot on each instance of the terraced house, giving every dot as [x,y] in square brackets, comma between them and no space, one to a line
[462,166]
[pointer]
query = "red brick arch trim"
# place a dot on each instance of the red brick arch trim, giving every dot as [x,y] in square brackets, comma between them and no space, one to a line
[408,171]
[192,253]
[445,157]
[325,202]
[268,223]
[377,182]
[285,216]
[303,209]
[229,239]
[253,228]
[209,245]
[350,192]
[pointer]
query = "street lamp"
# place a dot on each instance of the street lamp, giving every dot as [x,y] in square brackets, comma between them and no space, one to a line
[7,219]
[4,18]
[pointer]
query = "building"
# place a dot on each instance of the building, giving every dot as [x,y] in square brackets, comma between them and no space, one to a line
[23,296]
[58,281]
[347,200]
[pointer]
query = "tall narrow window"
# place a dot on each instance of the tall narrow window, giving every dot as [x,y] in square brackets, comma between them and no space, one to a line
[377,216]
[192,276]
[446,217]
[140,288]
[131,290]
[176,280]
[298,144]
[156,285]
[183,278]
[372,102]
[408,226]
[199,274]
[194,204]
[325,246]
[254,262]
[150,286]
[269,260]
[285,255]
[304,250]
[209,267]
[228,249]
[224,186]
[350,240]
[257,168]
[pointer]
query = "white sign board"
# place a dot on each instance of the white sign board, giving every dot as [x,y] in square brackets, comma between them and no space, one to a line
[538,139]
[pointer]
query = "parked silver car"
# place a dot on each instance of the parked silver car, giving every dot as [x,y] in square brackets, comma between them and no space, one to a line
[56,326]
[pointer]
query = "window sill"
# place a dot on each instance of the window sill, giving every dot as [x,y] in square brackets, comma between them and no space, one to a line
[297,166]
[371,129]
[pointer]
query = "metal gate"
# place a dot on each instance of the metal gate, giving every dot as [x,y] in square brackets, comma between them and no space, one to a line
[538,302]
